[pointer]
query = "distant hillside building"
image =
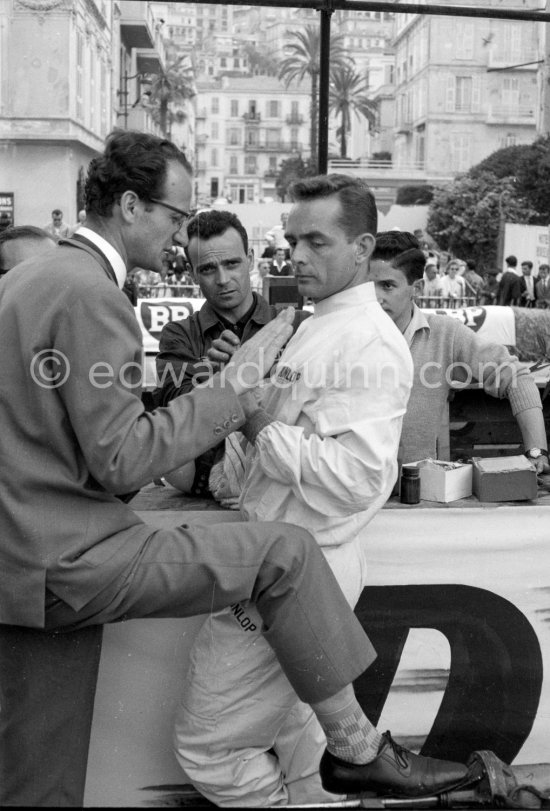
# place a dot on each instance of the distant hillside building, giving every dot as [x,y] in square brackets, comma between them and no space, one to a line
[245,127]
[462,88]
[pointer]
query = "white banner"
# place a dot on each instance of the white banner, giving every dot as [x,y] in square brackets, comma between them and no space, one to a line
[492,323]
[526,243]
[469,588]
[152,315]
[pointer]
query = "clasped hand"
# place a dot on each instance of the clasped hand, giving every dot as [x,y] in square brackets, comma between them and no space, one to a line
[245,365]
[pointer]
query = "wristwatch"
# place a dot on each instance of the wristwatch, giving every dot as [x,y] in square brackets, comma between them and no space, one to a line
[536,453]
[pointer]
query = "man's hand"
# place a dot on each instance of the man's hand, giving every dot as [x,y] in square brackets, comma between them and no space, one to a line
[252,361]
[250,401]
[222,349]
[541,465]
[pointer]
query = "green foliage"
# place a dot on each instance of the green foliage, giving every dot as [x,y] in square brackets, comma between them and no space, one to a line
[169,89]
[529,165]
[502,163]
[414,195]
[533,177]
[464,218]
[347,96]
[293,169]
[304,61]
[261,64]
[511,185]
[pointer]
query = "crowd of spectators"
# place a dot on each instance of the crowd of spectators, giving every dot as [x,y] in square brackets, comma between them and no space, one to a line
[452,282]
[448,281]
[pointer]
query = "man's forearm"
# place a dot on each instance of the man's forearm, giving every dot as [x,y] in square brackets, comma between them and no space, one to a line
[533,430]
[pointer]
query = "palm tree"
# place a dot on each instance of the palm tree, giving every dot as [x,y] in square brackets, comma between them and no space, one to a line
[172,86]
[347,95]
[304,60]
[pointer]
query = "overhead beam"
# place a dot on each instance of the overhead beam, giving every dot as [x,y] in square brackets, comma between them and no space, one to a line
[539,15]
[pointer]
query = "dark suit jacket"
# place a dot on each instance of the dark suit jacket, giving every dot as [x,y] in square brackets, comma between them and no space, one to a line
[523,302]
[543,293]
[68,443]
[509,290]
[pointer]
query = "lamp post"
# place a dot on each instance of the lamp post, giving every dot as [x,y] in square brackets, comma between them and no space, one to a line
[501,227]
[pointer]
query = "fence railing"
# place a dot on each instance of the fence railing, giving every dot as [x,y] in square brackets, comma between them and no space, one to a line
[169,290]
[445,302]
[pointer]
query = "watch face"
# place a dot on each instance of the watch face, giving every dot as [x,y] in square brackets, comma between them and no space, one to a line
[534,453]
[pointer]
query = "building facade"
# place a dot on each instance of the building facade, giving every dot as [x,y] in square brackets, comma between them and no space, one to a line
[244,129]
[69,72]
[463,88]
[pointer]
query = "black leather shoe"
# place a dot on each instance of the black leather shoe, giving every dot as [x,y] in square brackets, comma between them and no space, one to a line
[395,771]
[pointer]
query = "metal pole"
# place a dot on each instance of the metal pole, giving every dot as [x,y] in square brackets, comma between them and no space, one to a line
[544,125]
[125,99]
[324,76]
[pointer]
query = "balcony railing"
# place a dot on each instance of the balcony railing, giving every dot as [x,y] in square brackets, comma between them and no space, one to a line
[511,114]
[274,146]
[201,138]
[295,119]
[252,118]
[341,164]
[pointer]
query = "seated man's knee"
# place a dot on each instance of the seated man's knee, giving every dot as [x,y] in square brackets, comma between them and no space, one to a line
[294,546]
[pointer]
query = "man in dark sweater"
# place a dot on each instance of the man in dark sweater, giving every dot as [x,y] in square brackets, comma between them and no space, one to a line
[221,260]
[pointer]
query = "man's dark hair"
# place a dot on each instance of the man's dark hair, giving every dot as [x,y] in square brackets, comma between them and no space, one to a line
[470,264]
[57,212]
[208,224]
[21,232]
[359,214]
[545,266]
[401,250]
[528,263]
[131,161]
[511,260]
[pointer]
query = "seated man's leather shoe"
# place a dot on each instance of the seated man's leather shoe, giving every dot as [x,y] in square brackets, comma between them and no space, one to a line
[395,771]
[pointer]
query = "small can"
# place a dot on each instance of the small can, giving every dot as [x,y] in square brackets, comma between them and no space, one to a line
[410,485]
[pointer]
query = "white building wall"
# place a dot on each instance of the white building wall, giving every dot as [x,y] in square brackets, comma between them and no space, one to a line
[449,94]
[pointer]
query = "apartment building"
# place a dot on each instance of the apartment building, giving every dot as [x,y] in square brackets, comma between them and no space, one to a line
[69,73]
[245,127]
[464,88]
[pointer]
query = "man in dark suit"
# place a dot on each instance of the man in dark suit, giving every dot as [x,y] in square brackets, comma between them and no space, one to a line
[509,291]
[73,556]
[528,293]
[542,288]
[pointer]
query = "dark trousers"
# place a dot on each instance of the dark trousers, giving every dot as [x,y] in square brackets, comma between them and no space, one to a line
[180,573]
[47,689]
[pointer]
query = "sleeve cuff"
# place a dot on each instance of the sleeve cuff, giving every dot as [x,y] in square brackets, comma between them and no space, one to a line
[256,423]
[524,395]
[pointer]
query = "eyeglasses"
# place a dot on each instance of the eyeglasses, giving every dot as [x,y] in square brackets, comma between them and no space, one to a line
[183,215]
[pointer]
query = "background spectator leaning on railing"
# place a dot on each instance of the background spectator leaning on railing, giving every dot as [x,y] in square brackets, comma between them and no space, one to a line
[447,290]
